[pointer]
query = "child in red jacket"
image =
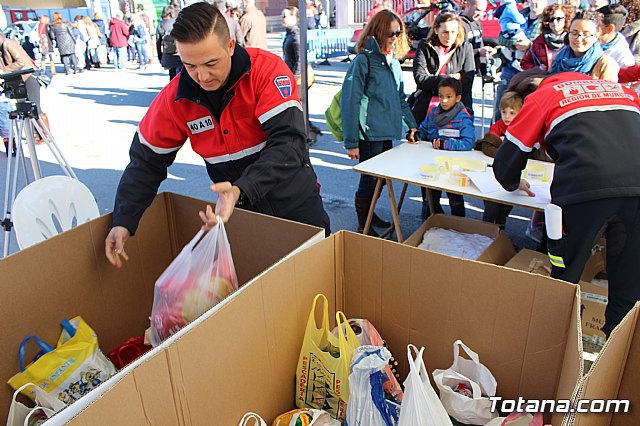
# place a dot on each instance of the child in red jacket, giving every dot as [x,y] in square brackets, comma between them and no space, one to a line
[510,105]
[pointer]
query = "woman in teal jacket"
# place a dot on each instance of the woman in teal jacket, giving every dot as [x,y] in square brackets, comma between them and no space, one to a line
[373,107]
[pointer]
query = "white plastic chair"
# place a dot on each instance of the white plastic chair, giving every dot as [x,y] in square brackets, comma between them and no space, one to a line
[50,205]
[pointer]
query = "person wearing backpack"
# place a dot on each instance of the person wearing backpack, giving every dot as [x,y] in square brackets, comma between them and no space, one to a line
[373,105]
[140,40]
[167,52]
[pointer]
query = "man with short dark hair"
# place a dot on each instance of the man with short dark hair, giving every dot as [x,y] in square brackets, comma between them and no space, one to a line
[241,112]
[473,11]
[614,17]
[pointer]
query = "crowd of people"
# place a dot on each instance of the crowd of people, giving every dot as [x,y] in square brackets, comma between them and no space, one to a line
[558,99]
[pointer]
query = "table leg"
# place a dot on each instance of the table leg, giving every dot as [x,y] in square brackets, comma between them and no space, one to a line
[374,200]
[430,200]
[394,210]
[402,195]
[388,231]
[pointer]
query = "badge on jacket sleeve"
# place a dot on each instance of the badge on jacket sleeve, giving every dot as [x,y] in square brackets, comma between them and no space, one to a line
[200,125]
[283,83]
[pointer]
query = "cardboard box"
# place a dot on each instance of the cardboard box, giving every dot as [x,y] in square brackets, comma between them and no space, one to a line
[498,253]
[243,356]
[538,263]
[68,275]
[593,297]
[615,374]
[593,304]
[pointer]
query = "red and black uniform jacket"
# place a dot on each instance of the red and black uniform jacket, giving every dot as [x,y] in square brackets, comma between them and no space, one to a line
[588,127]
[255,139]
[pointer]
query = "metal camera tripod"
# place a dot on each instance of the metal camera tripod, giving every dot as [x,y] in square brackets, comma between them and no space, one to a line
[24,121]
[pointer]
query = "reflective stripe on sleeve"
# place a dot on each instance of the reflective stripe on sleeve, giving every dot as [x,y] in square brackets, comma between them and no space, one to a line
[153,148]
[236,155]
[278,109]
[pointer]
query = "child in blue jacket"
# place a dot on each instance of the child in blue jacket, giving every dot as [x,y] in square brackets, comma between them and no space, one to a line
[449,126]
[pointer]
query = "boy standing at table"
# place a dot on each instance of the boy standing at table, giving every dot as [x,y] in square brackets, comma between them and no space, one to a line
[449,126]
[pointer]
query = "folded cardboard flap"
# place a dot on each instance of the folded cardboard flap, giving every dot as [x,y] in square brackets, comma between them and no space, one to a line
[244,356]
[68,275]
[498,253]
[615,374]
[538,263]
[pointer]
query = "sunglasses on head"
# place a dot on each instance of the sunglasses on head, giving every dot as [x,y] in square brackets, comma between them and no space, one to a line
[396,34]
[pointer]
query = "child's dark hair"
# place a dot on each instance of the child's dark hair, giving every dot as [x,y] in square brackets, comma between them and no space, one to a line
[454,83]
[511,99]
[614,14]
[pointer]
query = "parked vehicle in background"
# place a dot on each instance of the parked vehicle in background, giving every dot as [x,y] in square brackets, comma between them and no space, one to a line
[418,22]
[15,14]
[18,30]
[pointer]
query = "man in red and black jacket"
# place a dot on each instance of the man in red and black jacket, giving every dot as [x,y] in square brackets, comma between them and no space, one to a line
[241,112]
[591,129]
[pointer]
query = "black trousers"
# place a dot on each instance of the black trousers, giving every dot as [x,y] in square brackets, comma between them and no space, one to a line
[496,213]
[311,212]
[456,203]
[584,224]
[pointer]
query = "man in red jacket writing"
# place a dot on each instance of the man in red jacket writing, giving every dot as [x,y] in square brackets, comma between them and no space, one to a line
[241,112]
[590,129]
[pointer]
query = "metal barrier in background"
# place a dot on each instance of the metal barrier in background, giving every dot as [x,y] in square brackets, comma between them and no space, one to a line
[325,44]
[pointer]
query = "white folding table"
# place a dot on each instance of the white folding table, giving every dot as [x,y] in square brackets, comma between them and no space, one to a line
[403,163]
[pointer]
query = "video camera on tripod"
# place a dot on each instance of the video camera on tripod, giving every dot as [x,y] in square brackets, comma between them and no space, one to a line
[14,85]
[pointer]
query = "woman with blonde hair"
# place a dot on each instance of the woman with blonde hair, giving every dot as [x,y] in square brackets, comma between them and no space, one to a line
[373,107]
[92,43]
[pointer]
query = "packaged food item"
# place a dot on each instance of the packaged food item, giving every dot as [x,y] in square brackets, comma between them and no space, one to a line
[535,172]
[459,179]
[430,172]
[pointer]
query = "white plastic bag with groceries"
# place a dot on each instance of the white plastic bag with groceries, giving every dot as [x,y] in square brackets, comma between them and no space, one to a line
[465,387]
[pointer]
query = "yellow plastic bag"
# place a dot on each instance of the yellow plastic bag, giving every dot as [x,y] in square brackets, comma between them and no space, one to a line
[322,376]
[71,370]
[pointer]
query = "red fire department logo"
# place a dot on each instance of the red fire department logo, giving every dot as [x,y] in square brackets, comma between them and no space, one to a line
[283,83]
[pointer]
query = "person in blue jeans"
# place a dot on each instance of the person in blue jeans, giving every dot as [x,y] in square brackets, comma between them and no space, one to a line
[373,106]
[449,126]
[140,40]
[118,38]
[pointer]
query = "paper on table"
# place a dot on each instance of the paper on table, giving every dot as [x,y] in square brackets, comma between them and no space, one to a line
[485,181]
[542,191]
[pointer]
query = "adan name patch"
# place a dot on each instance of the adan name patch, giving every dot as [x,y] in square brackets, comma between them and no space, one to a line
[283,83]
[200,125]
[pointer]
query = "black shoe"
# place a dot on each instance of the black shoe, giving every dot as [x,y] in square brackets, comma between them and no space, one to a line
[379,223]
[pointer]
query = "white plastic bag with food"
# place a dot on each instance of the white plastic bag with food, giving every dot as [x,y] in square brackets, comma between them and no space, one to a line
[198,278]
[465,387]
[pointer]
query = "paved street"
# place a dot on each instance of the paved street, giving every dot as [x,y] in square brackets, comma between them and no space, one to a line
[94,115]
